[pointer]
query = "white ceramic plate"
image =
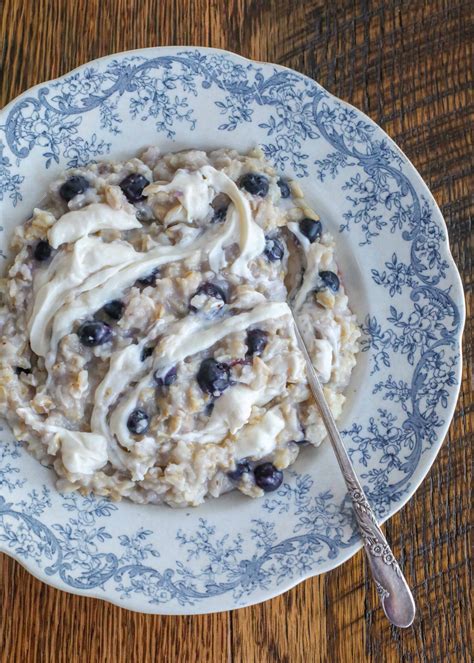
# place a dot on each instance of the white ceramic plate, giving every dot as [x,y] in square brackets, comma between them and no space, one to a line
[394,255]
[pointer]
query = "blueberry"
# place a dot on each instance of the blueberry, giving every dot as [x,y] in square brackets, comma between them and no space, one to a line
[150,279]
[42,250]
[73,187]
[311,229]
[138,422]
[274,250]
[167,379]
[94,332]
[257,341]
[284,188]
[210,290]
[213,377]
[146,352]
[267,477]
[255,184]
[241,468]
[19,370]
[208,410]
[327,280]
[132,186]
[114,309]
[219,214]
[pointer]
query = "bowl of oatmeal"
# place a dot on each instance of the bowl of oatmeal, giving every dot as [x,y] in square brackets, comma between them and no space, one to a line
[148,349]
[157,205]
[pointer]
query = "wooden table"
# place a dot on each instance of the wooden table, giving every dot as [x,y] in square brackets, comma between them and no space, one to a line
[407,65]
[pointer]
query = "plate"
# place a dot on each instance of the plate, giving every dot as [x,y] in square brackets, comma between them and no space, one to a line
[401,279]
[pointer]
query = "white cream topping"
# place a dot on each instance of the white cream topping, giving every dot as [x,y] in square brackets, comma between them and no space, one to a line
[118,428]
[251,236]
[97,216]
[303,240]
[119,418]
[259,439]
[226,236]
[186,338]
[82,453]
[68,273]
[313,260]
[194,191]
[331,331]
[322,358]
[234,407]
[126,366]
[231,411]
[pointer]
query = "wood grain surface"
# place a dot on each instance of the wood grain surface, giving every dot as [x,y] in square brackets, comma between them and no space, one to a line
[408,65]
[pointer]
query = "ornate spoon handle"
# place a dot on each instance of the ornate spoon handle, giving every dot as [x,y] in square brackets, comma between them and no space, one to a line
[395,595]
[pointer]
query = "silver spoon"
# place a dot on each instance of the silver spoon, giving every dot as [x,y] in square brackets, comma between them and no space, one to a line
[395,595]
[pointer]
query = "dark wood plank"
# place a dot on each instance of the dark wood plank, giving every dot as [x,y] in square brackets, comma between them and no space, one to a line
[408,66]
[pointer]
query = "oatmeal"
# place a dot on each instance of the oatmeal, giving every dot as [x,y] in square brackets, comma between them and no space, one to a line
[147,348]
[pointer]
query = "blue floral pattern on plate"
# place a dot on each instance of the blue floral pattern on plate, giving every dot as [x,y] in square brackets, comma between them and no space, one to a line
[169,561]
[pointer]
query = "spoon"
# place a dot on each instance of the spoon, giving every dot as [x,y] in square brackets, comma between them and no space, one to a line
[395,595]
